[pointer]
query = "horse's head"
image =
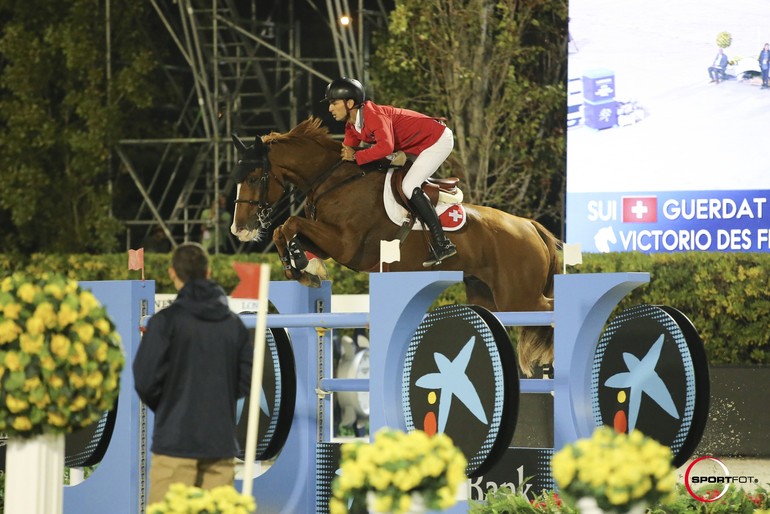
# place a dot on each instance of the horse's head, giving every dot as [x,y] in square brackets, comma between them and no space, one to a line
[264,171]
[258,190]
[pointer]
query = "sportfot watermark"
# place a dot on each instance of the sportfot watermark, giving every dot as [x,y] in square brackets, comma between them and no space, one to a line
[712,472]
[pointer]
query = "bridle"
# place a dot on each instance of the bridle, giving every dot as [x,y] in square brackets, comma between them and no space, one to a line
[265,209]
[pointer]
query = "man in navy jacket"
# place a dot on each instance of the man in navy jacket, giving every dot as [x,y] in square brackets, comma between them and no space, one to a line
[193,364]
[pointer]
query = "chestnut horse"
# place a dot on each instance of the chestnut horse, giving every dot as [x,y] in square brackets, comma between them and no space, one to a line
[508,262]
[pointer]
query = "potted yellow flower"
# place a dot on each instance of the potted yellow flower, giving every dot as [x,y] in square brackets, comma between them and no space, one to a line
[60,364]
[183,499]
[399,472]
[615,472]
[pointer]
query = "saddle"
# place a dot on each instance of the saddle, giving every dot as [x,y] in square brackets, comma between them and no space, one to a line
[438,189]
[433,187]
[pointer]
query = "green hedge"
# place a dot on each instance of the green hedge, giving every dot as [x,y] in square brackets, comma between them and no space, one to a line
[725,295]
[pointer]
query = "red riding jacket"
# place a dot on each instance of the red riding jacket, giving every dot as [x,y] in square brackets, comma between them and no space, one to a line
[389,129]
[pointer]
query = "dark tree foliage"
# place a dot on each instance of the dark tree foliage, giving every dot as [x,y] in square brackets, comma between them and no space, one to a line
[59,116]
[497,71]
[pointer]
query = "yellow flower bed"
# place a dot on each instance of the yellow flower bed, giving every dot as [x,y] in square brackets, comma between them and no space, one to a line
[60,356]
[617,469]
[396,465]
[182,499]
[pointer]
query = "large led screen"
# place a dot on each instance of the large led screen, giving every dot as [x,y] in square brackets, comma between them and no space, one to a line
[663,156]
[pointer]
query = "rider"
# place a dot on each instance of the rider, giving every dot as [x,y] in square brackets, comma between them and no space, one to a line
[390,129]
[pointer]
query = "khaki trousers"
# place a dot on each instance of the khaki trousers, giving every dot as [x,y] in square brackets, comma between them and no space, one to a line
[203,473]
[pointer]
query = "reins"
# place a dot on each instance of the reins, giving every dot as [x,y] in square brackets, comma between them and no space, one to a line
[265,214]
[311,200]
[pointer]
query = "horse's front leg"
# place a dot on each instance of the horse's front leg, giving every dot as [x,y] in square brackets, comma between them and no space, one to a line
[281,245]
[293,256]
[328,239]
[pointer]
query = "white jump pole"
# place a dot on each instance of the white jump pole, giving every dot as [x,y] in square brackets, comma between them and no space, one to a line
[256,381]
[35,475]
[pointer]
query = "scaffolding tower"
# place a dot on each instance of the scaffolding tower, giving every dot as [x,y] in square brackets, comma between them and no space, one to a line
[243,66]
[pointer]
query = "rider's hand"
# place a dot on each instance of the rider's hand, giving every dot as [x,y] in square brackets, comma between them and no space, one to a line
[347,153]
[399,159]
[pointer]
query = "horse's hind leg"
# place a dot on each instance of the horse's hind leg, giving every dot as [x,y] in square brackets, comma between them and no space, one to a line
[478,293]
[534,348]
[534,345]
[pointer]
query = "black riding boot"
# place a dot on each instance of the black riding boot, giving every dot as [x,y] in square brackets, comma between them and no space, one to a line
[442,248]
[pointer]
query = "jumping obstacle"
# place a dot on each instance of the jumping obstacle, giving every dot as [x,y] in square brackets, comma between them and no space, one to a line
[115,485]
[299,479]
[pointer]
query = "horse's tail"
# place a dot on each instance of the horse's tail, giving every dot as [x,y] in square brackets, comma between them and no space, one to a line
[553,244]
[535,344]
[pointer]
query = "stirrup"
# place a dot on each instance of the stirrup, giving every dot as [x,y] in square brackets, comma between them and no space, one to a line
[439,254]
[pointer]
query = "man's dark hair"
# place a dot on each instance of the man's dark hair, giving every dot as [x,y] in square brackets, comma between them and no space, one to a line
[190,261]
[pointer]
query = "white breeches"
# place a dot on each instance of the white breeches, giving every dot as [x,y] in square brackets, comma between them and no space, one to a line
[428,162]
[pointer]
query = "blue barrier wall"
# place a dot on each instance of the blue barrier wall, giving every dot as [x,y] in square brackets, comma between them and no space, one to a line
[115,485]
[398,302]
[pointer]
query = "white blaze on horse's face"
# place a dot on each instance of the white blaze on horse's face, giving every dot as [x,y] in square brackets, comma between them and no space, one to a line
[233,229]
[242,234]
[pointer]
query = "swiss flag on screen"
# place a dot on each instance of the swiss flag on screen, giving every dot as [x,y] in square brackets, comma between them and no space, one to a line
[640,209]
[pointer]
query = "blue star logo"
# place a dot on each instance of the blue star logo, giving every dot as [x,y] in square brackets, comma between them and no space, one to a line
[241,403]
[452,381]
[642,378]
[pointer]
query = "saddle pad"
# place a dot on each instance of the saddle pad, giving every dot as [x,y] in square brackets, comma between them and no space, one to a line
[451,215]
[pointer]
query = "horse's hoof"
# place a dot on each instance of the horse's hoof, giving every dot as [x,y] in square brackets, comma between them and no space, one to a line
[317,267]
[309,280]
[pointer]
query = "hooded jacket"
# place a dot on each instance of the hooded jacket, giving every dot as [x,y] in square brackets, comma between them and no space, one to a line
[192,365]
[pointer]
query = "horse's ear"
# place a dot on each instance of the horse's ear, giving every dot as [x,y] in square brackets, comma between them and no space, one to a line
[239,146]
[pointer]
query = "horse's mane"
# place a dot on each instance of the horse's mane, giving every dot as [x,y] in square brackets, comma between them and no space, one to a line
[311,128]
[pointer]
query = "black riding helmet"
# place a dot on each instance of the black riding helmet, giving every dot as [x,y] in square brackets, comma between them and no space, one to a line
[344,88]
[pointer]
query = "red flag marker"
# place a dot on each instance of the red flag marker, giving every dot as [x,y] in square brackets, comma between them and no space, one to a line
[136,260]
[248,287]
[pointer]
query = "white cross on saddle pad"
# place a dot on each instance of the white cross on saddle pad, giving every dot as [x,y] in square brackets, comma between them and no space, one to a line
[451,215]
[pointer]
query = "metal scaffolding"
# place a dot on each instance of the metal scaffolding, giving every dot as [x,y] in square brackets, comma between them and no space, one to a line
[245,66]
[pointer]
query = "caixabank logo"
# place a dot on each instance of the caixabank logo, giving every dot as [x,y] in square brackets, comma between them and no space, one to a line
[460,378]
[707,479]
[650,373]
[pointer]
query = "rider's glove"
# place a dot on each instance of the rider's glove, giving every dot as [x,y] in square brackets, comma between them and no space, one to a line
[348,153]
[398,158]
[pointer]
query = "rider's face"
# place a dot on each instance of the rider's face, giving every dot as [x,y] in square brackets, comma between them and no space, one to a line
[339,110]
